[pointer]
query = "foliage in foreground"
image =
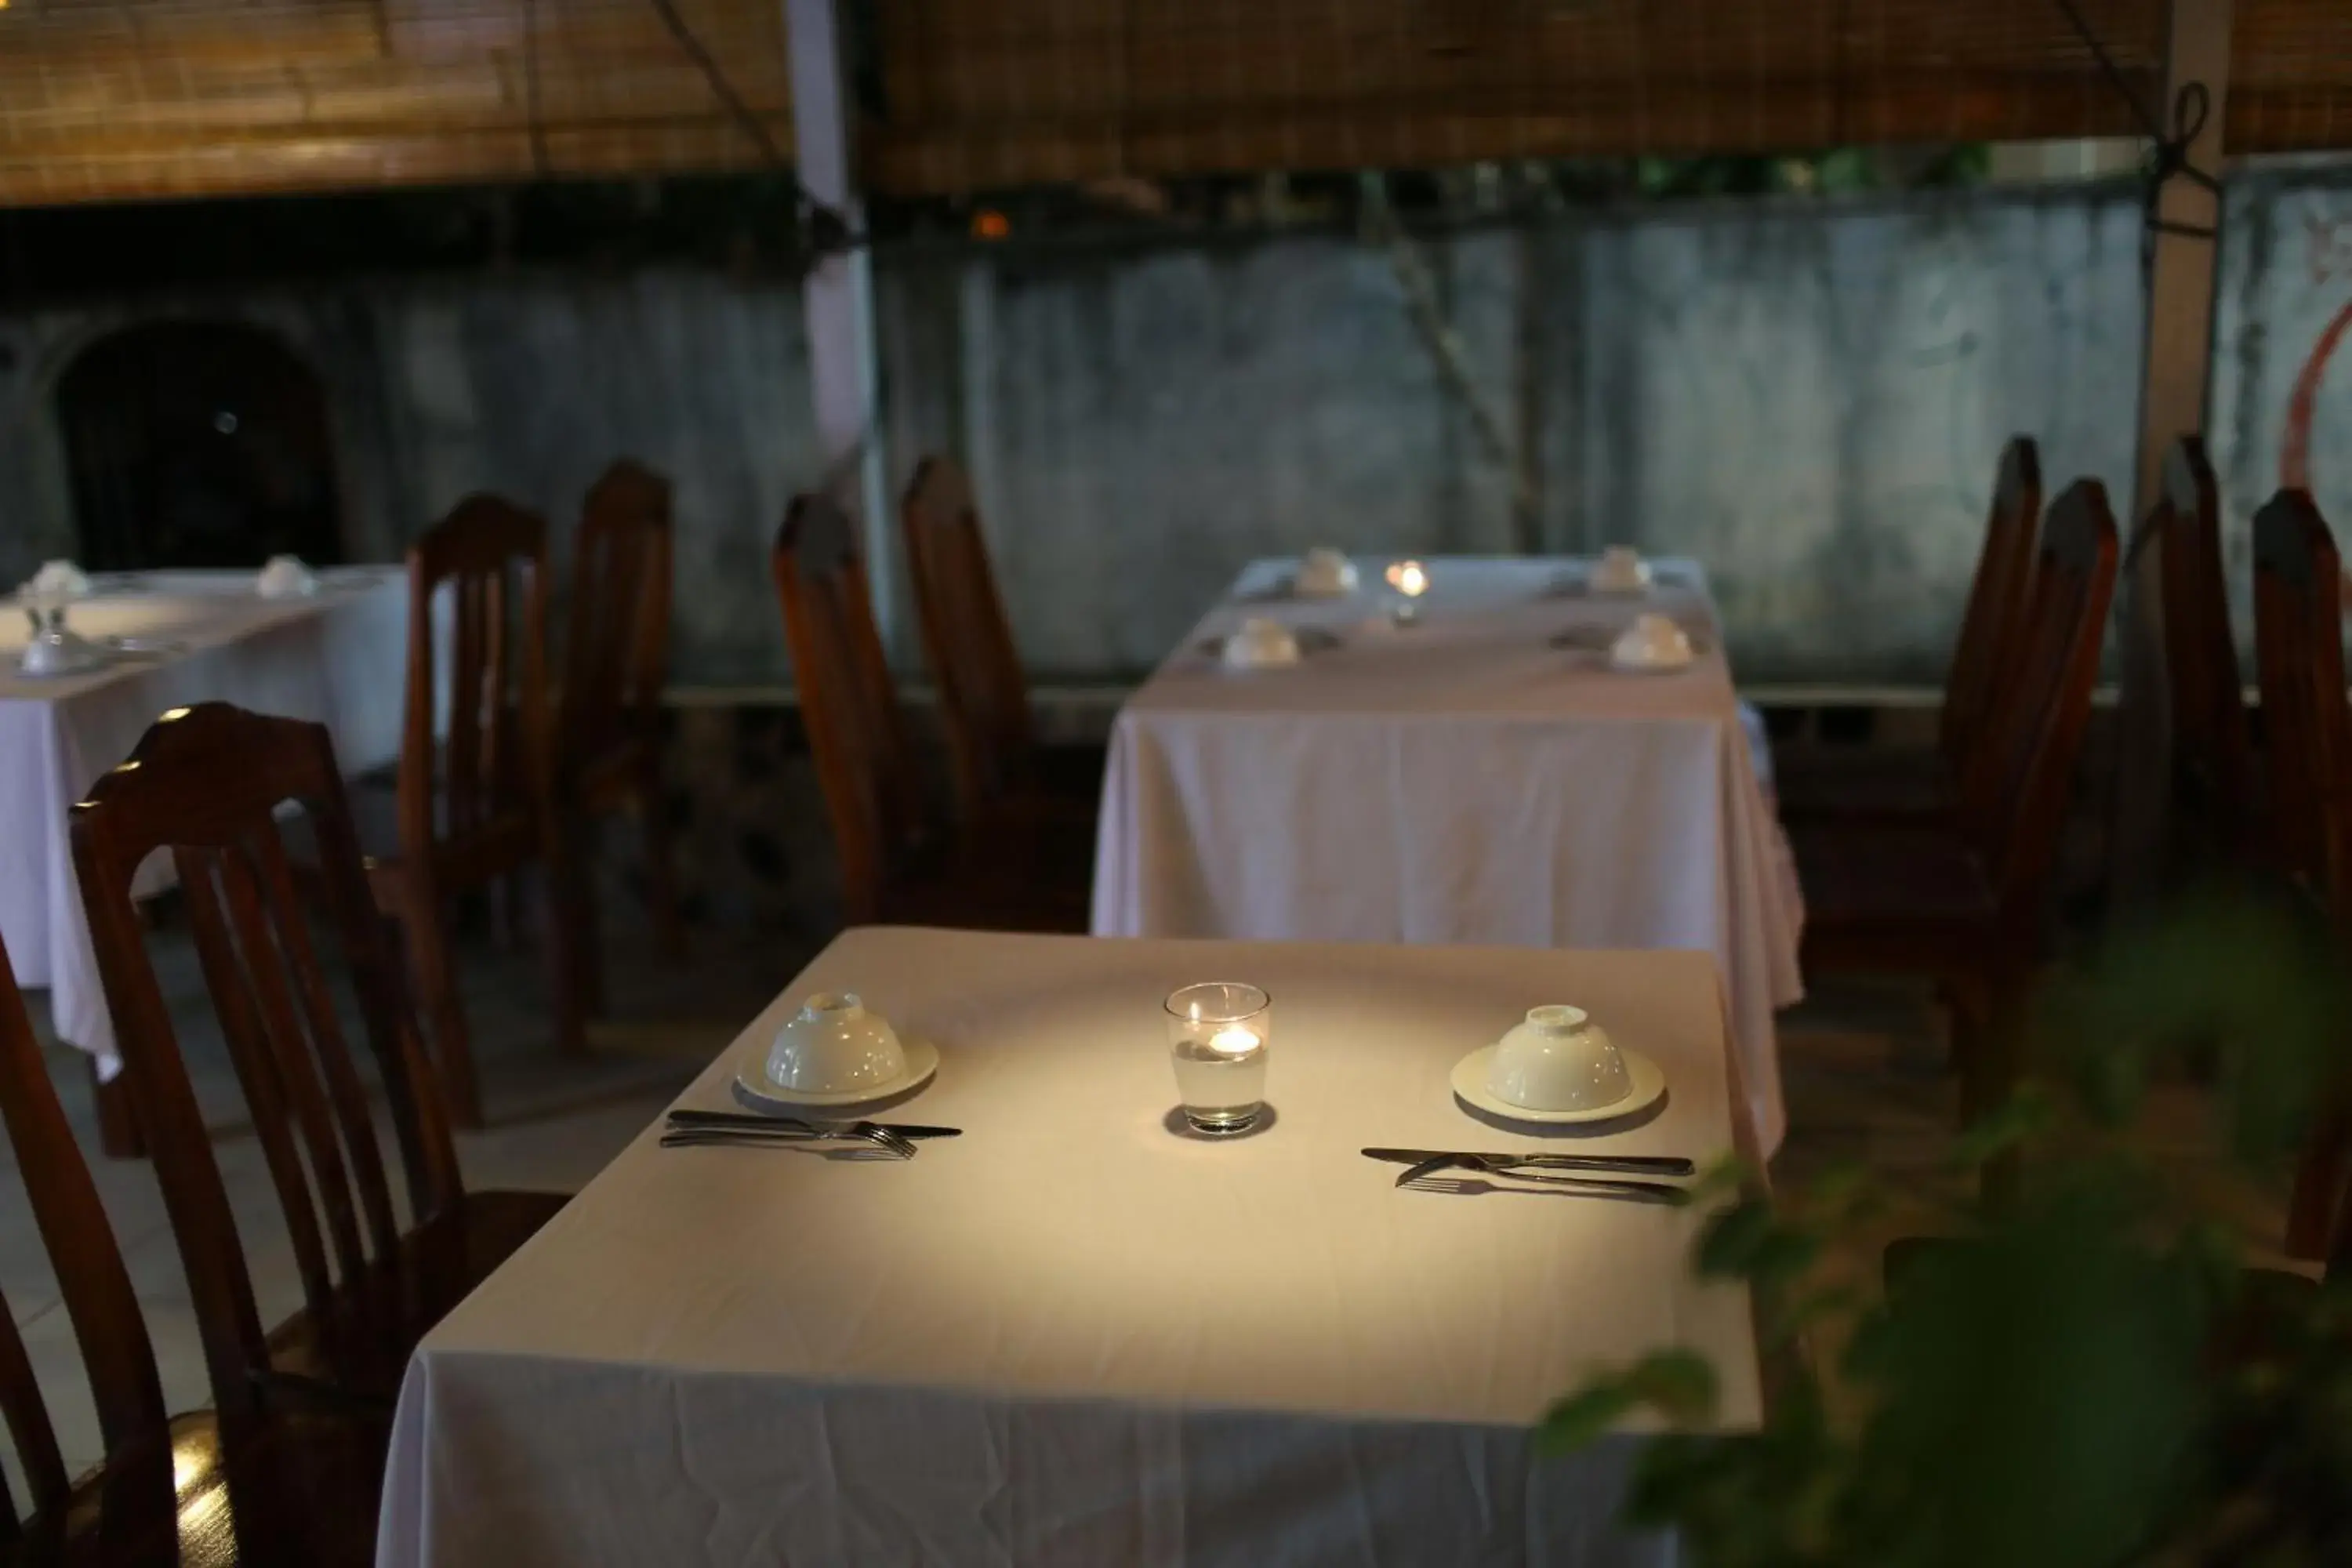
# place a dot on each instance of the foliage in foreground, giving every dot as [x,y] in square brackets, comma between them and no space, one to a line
[2088,1378]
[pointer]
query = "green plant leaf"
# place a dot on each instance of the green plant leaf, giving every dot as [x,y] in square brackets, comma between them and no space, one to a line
[1728,1174]
[1735,1238]
[1679,1384]
[1586,1415]
[2005,1128]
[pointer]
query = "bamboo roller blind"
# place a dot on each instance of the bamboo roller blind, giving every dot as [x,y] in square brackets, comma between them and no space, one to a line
[109,98]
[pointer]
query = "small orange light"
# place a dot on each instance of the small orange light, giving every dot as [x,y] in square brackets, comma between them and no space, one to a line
[986,224]
[1408,578]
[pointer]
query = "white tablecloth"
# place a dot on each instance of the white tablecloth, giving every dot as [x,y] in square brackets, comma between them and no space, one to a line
[1072,1336]
[1459,781]
[336,658]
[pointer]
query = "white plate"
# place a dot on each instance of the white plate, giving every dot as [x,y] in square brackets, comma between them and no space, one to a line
[1650,666]
[1470,1083]
[1643,579]
[757,1090]
[96,659]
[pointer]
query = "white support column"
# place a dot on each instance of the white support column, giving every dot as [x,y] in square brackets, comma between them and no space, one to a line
[837,299]
[2180,281]
[2178,350]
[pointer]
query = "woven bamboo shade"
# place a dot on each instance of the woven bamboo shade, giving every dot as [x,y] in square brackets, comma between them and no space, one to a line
[2290,76]
[103,99]
[1003,91]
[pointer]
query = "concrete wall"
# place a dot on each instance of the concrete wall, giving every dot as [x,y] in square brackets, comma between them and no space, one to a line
[2281,397]
[1809,396]
[1809,399]
[527,385]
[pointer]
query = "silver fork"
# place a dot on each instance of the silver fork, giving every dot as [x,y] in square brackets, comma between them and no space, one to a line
[1517,1165]
[1579,1186]
[788,1131]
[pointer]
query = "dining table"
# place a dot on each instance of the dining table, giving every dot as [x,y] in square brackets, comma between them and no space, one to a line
[1077,1331]
[1466,765]
[333,655]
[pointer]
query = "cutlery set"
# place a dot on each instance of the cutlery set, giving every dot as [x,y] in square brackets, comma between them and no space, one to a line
[693,1128]
[1591,1176]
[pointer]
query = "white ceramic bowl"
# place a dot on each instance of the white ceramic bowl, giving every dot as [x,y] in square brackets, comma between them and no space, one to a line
[1261,644]
[1620,569]
[58,581]
[1652,642]
[286,577]
[1558,1060]
[1325,572]
[834,1045]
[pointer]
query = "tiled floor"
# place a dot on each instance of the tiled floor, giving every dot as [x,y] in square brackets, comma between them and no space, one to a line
[1863,1069]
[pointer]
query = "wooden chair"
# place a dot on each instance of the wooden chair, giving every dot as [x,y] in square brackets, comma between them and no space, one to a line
[199,1488]
[608,741]
[475,803]
[895,865]
[1963,905]
[1899,786]
[983,691]
[2307,730]
[206,784]
[2206,702]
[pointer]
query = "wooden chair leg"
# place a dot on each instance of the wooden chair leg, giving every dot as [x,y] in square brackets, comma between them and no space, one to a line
[117,1127]
[1971,1044]
[585,836]
[1992,1065]
[661,876]
[426,936]
[505,902]
[2318,1188]
[560,923]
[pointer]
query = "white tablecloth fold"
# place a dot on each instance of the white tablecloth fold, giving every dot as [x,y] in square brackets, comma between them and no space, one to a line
[335,658]
[1465,780]
[1072,1336]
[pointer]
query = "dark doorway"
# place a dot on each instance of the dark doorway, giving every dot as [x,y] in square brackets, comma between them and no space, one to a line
[197,444]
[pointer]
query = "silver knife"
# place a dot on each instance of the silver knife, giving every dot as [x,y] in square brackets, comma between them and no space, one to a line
[1423,1160]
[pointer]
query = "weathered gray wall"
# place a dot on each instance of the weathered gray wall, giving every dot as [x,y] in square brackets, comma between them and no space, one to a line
[528,385]
[1814,407]
[2284,314]
[1808,396]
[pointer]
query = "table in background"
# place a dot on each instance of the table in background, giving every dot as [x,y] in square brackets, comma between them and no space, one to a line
[336,656]
[1071,1335]
[1461,780]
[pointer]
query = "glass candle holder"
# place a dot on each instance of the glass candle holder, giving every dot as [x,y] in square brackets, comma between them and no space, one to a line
[1217,1037]
[1410,581]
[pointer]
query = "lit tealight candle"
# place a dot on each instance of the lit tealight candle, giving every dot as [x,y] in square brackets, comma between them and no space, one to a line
[1218,1034]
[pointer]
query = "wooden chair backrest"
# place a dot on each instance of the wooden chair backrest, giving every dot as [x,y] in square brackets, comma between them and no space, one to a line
[205,784]
[983,692]
[2206,700]
[487,773]
[854,725]
[2015,797]
[1998,598]
[2299,663]
[616,650]
[117,1357]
